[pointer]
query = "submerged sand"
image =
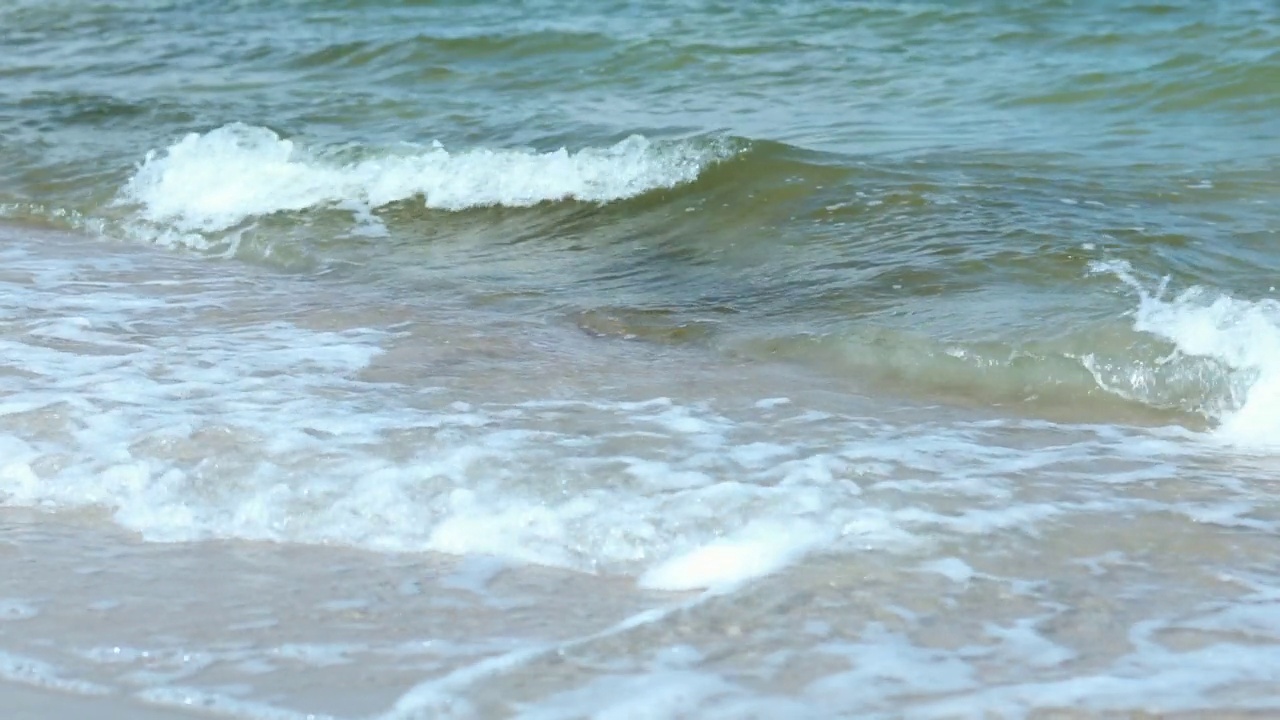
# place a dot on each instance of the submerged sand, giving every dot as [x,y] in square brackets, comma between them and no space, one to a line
[100,624]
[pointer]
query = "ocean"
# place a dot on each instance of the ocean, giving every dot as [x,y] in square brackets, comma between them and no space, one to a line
[678,358]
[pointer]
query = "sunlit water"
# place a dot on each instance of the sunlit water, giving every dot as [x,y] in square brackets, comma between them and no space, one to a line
[679,359]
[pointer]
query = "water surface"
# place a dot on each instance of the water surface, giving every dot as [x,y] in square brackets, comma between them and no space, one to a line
[844,358]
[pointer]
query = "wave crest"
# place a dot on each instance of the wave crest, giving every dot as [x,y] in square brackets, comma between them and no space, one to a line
[214,181]
[1237,339]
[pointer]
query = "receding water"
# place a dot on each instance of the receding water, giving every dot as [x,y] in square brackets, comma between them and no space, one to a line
[660,359]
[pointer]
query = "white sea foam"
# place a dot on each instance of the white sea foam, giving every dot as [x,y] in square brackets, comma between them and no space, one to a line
[264,430]
[756,550]
[195,410]
[212,424]
[217,180]
[1239,338]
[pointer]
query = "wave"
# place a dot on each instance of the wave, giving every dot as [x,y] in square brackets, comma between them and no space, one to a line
[1101,372]
[531,44]
[215,181]
[1236,341]
[208,186]
[1200,358]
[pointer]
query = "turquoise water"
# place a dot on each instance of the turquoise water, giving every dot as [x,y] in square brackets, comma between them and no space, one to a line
[547,280]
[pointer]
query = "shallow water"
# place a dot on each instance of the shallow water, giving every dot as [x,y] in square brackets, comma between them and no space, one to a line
[798,359]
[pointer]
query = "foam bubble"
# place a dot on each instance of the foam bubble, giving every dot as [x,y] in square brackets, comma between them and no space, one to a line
[214,181]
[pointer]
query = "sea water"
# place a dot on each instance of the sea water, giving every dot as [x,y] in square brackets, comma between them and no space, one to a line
[665,359]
